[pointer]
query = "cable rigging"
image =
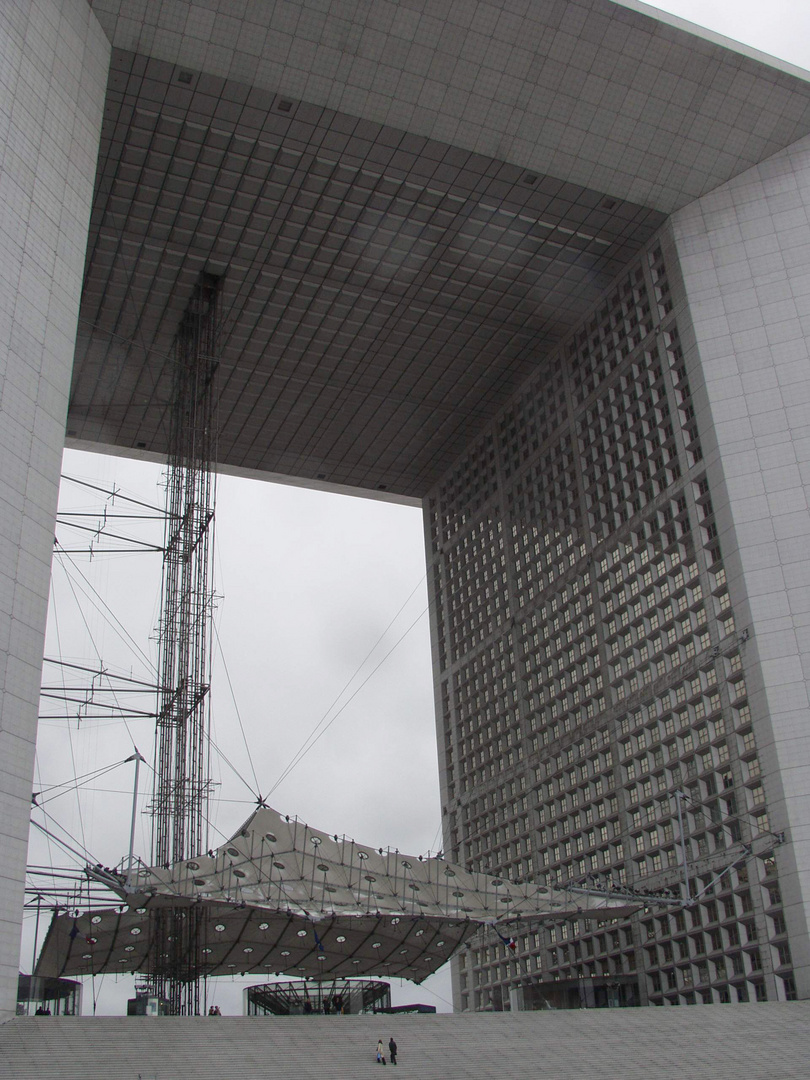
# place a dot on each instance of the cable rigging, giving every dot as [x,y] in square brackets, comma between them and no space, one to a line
[98,602]
[316,734]
[185,543]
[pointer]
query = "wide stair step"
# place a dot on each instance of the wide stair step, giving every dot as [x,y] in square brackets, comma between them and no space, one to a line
[721,1042]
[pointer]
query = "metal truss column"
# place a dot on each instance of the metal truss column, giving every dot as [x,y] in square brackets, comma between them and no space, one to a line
[182,752]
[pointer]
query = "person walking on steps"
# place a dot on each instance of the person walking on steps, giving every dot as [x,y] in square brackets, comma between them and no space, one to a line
[392,1050]
[380,1052]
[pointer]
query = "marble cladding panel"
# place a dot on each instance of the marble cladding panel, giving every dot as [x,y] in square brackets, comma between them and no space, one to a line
[744,255]
[54,59]
[590,91]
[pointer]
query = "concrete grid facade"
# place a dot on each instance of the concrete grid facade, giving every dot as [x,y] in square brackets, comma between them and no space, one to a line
[595,652]
[543,269]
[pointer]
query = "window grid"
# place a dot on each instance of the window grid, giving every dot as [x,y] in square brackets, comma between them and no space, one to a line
[594,668]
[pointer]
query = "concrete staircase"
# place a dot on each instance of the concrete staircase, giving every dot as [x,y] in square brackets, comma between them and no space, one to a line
[719,1042]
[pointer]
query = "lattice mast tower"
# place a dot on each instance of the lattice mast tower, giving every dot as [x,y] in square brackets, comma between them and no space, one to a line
[182,750]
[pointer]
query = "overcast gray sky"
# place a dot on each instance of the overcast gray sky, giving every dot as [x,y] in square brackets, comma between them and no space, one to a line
[322,596]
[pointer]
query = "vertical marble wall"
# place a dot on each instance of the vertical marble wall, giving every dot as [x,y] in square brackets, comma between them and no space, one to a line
[53,72]
[744,253]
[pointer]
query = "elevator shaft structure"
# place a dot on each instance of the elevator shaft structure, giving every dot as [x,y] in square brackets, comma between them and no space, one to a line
[182,752]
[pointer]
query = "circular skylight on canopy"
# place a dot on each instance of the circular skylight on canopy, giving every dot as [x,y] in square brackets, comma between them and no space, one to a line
[285,891]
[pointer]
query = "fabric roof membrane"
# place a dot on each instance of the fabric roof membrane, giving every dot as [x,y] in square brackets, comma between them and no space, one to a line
[282,897]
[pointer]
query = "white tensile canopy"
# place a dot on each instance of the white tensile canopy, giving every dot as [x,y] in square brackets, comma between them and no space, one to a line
[281,897]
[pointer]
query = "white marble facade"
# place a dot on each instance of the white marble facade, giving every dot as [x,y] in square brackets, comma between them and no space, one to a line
[744,253]
[463,73]
[53,72]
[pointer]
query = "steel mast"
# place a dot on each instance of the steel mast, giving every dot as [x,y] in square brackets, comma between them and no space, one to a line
[182,746]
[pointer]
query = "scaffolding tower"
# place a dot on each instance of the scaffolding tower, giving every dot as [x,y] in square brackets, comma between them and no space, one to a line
[182,746]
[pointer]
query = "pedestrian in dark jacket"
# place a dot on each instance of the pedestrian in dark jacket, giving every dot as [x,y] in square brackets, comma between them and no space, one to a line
[392,1050]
